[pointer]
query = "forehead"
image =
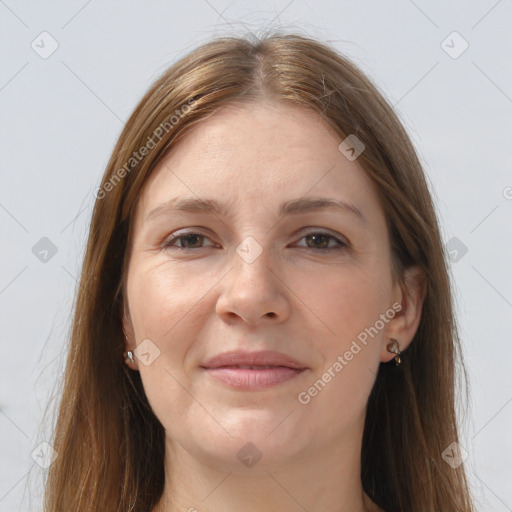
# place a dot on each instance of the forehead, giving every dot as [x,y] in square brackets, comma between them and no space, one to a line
[255,155]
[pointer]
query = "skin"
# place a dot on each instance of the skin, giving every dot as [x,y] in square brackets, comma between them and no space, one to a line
[195,301]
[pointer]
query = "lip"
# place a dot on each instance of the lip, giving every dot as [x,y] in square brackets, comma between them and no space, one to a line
[269,369]
[259,358]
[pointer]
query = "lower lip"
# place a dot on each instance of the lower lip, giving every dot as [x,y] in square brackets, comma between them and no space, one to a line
[243,378]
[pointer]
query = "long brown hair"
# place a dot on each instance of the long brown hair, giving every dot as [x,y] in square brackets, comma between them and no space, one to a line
[110,444]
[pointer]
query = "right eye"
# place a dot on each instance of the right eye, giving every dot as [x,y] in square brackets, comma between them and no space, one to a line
[186,239]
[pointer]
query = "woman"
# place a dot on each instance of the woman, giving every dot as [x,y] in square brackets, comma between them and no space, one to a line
[264,320]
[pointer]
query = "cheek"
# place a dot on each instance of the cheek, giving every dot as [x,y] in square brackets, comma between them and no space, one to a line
[337,391]
[350,305]
[160,301]
[347,301]
[165,309]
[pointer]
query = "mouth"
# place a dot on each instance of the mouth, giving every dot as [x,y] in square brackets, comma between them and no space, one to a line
[253,370]
[251,367]
[250,377]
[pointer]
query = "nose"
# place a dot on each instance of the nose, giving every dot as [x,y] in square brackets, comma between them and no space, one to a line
[253,291]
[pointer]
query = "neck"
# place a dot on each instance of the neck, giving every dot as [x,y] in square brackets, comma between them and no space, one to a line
[322,478]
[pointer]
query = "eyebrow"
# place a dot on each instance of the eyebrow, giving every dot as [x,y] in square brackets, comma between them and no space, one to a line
[292,207]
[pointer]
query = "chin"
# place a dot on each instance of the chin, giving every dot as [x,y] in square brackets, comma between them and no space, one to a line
[249,456]
[253,441]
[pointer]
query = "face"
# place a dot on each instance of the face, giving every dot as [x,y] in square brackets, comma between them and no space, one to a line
[237,255]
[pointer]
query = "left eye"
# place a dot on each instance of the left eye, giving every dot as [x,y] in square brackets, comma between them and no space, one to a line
[321,241]
[315,240]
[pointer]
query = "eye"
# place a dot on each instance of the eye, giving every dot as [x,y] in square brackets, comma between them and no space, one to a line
[188,240]
[322,241]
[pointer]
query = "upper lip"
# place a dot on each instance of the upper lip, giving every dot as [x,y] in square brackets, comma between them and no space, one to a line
[260,358]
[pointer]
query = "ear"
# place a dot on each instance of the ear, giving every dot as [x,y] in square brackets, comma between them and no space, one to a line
[410,295]
[129,338]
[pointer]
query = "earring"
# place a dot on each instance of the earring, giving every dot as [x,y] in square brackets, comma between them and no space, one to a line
[394,348]
[129,356]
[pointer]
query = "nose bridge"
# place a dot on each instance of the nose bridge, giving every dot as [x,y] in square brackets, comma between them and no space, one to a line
[253,290]
[252,262]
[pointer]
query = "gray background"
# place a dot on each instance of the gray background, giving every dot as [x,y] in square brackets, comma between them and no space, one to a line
[62,114]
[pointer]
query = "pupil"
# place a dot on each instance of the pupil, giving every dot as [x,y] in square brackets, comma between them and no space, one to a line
[191,237]
[316,238]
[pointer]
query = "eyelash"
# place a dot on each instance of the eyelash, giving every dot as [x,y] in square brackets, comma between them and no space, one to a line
[180,235]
